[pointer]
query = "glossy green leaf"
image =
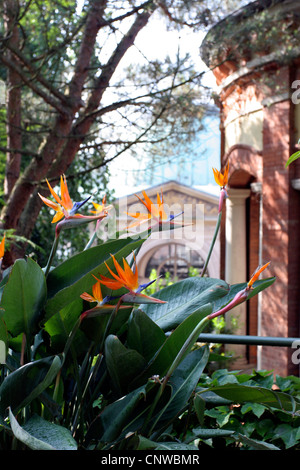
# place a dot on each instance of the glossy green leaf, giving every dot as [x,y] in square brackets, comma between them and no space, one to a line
[292,158]
[199,407]
[256,408]
[183,382]
[138,442]
[176,347]
[123,364]
[94,327]
[26,383]
[254,444]
[144,335]
[23,298]
[173,446]
[115,417]
[243,393]
[74,276]
[205,433]
[60,325]
[289,435]
[38,434]
[184,298]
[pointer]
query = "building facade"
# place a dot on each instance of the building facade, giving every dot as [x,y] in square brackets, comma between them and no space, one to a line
[255,57]
[176,251]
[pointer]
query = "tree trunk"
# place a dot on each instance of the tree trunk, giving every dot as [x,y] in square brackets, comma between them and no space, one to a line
[13,103]
[64,140]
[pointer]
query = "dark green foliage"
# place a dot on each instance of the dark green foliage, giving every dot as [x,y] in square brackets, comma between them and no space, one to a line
[123,365]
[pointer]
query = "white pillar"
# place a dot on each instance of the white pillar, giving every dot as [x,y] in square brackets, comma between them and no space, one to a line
[236,262]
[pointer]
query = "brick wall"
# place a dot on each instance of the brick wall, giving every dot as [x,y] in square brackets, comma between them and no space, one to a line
[280,222]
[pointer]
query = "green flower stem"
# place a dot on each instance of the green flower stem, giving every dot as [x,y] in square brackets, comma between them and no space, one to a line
[91,241]
[93,237]
[212,244]
[52,253]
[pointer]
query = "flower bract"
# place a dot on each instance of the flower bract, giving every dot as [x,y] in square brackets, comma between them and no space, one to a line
[155,212]
[242,295]
[64,207]
[96,297]
[256,274]
[99,208]
[221,178]
[127,278]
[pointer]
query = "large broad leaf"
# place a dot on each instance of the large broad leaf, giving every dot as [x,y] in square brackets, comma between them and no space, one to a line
[113,420]
[244,393]
[123,364]
[95,327]
[60,325]
[254,444]
[38,434]
[183,298]
[144,335]
[26,383]
[183,382]
[74,276]
[23,297]
[176,346]
[173,446]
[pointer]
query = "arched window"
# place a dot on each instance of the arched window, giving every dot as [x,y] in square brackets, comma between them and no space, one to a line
[175,259]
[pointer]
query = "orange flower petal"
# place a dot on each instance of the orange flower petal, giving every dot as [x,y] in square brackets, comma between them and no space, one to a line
[66,200]
[97,292]
[117,278]
[58,216]
[49,203]
[131,277]
[139,215]
[111,283]
[88,297]
[54,193]
[221,179]
[125,277]
[2,247]
[256,274]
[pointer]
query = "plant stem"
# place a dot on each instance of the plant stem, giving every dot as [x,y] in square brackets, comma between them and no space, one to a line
[52,253]
[92,239]
[212,244]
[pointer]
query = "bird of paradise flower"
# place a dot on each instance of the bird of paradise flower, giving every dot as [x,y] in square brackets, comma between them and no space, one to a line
[156,214]
[127,278]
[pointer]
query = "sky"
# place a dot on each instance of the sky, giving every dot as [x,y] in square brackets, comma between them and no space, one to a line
[155,42]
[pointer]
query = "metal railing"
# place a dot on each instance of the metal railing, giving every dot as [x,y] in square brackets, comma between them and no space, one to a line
[251,340]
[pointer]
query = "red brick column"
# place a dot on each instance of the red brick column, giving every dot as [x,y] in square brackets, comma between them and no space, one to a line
[279,243]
